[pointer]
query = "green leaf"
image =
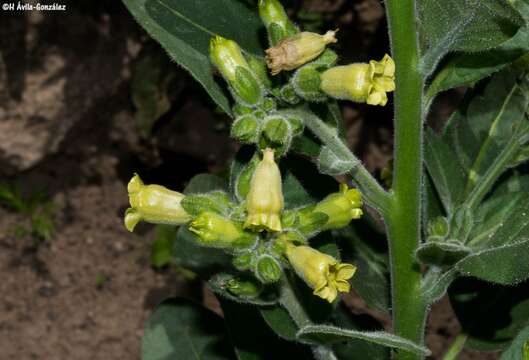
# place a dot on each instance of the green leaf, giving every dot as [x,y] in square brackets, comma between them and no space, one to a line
[329,163]
[441,253]
[481,141]
[203,183]
[267,297]
[205,261]
[463,25]
[505,264]
[326,334]
[162,246]
[516,349]
[253,339]
[446,174]
[365,247]
[491,315]
[357,349]
[280,322]
[184,28]
[181,329]
[215,201]
[468,68]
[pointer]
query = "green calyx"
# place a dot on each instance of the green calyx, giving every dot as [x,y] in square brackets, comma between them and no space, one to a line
[243,287]
[267,269]
[228,58]
[340,207]
[276,20]
[217,231]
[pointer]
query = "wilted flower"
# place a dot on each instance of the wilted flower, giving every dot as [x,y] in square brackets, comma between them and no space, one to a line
[361,82]
[294,51]
[264,202]
[153,203]
[321,272]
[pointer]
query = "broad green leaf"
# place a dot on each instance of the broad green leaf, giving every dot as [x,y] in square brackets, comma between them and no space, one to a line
[463,25]
[486,132]
[188,254]
[445,173]
[364,246]
[326,334]
[357,349]
[184,28]
[507,264]
[181,329]
[468,68]
[441,253]
[253,339]
[518,349]
[203,183]
[280,322]
[490,314]
[162,246]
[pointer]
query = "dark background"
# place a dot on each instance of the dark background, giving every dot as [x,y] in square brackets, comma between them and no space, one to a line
[68,132]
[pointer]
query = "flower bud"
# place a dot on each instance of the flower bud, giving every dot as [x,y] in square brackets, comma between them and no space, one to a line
[244,128]
[276,133]
[276,20]
[217,231]
[267,269]
[244,288]
[294,51]
[438,227]
[361,82]
[340,207]
[227,56]
[264,202]
[307,82]
[243,261]
[321,272]
[153,203]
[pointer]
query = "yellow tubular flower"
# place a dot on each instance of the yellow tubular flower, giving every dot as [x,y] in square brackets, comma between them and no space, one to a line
[264,202]
[365,83]
[321,272]
[341,207]
[297,50]
[154,204]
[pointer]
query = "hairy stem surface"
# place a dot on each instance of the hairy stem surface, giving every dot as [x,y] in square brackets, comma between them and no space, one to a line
[409,310]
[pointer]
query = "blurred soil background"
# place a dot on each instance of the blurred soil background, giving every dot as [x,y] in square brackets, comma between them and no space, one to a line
[76,120]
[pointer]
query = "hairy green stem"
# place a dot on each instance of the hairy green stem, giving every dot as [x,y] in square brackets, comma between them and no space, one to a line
[408,307]
[456,347]
[372,192]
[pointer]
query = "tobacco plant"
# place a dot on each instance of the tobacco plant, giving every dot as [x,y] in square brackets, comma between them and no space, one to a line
[281,239]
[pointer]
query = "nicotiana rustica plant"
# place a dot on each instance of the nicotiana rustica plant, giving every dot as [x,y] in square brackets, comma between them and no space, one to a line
[280,240]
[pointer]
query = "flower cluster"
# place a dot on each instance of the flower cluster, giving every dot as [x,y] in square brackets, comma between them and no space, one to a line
[266,239]
[252,225]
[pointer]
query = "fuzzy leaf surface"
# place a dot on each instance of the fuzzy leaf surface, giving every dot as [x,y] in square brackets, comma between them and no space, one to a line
[184,28]
[181,329]
[464,25]
[330,334]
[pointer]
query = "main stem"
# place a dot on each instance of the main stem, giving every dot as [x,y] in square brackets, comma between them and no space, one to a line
[403,222]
